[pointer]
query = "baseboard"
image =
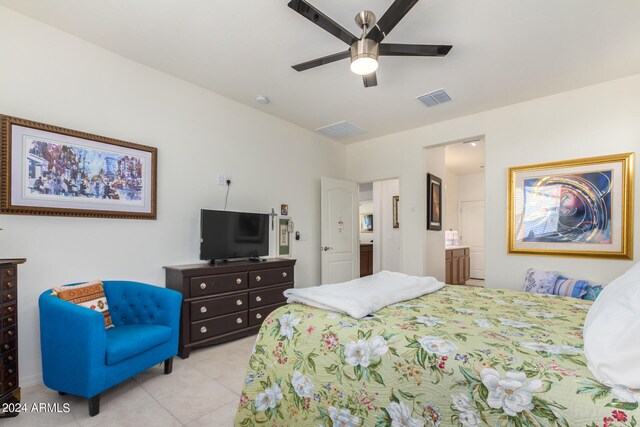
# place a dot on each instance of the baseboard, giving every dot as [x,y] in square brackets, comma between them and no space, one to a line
[31,381]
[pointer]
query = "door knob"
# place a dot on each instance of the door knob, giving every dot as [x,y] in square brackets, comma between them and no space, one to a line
[326,248]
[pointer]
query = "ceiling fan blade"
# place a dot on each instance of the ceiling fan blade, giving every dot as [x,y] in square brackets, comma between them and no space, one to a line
[392,49]
[370,80]
[322,21]
[322,61]
[390,19]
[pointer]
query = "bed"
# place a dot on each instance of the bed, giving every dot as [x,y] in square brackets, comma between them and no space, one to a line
[460,356]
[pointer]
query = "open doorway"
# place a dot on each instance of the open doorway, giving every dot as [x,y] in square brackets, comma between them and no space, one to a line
[379,225]
[459,245]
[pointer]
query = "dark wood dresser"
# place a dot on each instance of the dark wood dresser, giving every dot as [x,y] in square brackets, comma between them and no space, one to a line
[366,259]
[9,390]
[227,301]
[458,266]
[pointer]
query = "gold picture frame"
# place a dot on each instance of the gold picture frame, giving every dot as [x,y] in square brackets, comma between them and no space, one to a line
[575,208]
[396,201]
[50,170]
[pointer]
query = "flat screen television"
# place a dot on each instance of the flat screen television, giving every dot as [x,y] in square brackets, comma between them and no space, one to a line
[229,235]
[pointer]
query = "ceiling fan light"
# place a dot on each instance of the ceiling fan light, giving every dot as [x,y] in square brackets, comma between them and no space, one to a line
[364,66]
[364,57]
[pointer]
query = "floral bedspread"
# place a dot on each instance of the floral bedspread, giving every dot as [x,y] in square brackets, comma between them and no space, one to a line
[460,356]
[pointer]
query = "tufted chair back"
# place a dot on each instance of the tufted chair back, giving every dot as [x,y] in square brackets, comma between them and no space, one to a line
[133,303]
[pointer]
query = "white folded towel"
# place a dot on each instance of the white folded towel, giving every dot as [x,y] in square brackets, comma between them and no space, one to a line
[360,297]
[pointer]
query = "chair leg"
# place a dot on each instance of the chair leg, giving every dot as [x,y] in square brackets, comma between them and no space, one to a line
[168,366]
[94,405]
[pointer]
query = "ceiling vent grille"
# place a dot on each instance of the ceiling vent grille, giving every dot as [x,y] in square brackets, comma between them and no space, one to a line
[342,129]
[434,98]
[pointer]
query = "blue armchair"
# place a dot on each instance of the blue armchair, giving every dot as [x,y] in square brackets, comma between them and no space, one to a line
[80,357]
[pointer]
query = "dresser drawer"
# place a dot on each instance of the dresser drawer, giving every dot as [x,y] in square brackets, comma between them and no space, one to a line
[8,371]
[7,273]
[8,310]
[7,346]
[267,296]
[8,296]
[208,285]
[218,325]
[272,276]
[7,284]
[8,384]
[9,334]
[213,307]
[8,321]
[8,358]
[257,315]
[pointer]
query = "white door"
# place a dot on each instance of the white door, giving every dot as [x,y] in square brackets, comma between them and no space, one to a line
[472,234]
[339,230]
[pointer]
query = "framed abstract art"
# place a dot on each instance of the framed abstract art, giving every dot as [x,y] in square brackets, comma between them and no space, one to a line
[49,170]
[434,203]
[581,208]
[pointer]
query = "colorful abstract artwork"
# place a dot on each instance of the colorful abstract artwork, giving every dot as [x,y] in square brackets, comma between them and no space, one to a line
[568,208]
[56,171]
[579,207]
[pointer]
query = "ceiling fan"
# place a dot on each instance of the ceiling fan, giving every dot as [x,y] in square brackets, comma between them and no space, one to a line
[364,51]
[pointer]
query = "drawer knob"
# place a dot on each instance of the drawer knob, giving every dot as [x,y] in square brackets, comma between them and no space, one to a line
[6,346]
[11,309]
[258,299]
[10,333]
[9,273]
[203,329]
[203,286]
[238,320]
[203,309]
[10,319]
[239,281]
[258,316]
[9,285]
[239,302]
[258,278]
[10,385]
[9,296]
[10,371]
[10,358]
[284,274]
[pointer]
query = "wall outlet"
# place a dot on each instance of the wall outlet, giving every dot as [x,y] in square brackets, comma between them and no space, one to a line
[221,179]
[227,178]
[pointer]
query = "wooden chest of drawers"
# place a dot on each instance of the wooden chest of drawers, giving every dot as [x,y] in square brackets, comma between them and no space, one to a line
[227,301]
[9,389]
[457,266]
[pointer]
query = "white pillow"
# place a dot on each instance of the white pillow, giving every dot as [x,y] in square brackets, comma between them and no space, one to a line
[612,331]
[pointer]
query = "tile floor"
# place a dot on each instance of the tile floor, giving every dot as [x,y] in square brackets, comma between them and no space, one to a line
[203,390]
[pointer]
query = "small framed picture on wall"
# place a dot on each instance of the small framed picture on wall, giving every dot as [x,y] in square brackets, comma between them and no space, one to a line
[283,238]
[434,203]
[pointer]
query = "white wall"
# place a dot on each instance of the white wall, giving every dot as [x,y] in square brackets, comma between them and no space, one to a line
[53,77]
[390,238]
[450,200]
[471,187]
[592,121]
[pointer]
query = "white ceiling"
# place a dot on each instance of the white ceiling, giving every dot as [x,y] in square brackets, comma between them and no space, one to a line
[504,52]
[464,158]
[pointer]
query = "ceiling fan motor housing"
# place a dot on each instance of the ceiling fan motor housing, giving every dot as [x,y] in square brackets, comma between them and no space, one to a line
[365,48]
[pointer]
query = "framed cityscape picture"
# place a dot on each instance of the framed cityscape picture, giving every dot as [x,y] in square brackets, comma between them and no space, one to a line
[49,170]
[434,203]
[581,208]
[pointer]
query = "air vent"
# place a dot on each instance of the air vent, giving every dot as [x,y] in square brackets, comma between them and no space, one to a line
[434,98]
[342,129]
